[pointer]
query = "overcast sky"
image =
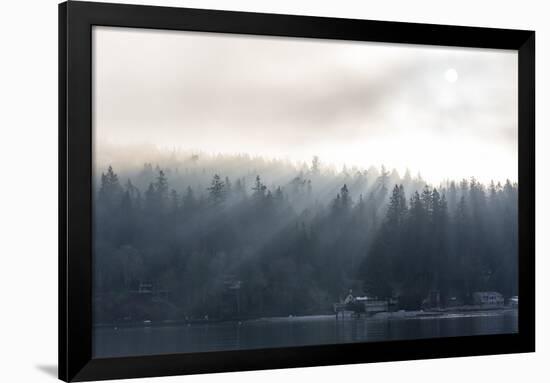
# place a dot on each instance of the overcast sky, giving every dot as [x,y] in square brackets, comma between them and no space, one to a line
[443,112]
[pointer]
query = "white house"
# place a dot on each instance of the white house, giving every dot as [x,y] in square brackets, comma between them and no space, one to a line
[488,298]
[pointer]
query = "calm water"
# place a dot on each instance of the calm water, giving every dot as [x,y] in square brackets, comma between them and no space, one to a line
[284,332]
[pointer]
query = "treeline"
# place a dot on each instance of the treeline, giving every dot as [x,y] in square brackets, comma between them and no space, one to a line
[423,245]
[233,249]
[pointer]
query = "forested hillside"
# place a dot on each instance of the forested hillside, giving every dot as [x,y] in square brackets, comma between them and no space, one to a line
[229,236]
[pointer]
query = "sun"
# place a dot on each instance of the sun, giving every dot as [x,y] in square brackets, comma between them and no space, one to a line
[451,75]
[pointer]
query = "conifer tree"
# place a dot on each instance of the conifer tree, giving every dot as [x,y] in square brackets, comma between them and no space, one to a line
[397,209]
[259,189]
[216,190]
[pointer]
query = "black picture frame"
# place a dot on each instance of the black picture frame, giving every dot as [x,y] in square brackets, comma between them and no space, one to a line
[75,188]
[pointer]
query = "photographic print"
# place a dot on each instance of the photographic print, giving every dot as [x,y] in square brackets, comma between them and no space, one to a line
[254,192]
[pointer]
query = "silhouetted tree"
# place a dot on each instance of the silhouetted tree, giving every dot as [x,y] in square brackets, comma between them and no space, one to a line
[216,190]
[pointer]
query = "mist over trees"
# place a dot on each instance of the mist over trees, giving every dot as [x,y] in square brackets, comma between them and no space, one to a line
[234,236]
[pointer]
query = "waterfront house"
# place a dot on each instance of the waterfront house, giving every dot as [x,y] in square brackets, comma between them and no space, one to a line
[488,299]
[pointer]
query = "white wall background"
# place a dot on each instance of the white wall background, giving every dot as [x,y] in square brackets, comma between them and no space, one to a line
[28,189]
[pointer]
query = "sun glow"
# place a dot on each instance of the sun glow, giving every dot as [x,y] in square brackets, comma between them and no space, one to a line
[451,75]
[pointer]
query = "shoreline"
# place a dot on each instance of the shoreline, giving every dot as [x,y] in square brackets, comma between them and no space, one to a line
[394,315]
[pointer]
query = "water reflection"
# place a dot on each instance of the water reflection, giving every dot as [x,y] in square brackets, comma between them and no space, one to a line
[297,331]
